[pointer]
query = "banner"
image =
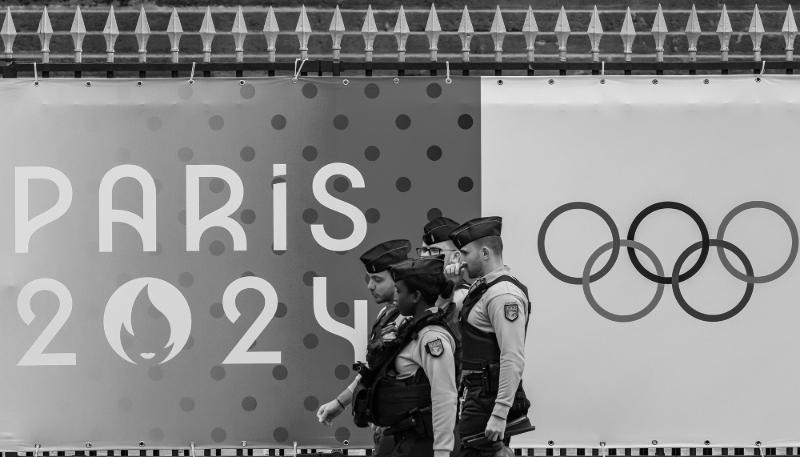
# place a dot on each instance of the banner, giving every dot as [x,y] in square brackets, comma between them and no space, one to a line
[658,237]
[181,261]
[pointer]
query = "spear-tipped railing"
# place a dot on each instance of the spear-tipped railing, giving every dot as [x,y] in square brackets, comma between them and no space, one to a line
[508,55]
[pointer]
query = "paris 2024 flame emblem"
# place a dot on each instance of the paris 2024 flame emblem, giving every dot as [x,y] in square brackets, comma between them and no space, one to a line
[166,299]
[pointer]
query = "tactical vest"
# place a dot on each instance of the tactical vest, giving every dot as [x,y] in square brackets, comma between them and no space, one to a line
[386,401]
[382,339]
[479,348]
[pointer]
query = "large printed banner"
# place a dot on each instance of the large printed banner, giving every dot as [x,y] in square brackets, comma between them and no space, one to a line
[180,262]
[655,222]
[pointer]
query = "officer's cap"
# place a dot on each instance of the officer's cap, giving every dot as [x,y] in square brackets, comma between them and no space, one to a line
[476,229]
[437,230]
[382,256]
[424,266]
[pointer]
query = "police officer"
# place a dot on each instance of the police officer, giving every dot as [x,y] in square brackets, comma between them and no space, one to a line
[435,242]
[412,389]
[493,321]
[385,328]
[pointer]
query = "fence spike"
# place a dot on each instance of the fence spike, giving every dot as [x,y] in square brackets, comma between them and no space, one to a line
[789,31]
[369,31]
[142,33]
[529,31]
[239,32]
[595,33]
[724,32]
[465,32]
[271,33]
[8,32]
[756,31]
[562,32]
[303,31]
[337,32]
[498,33]
[207,34]
[433,30]
[659,32]
[78,32]
[110,32]
[401,32]
[693,34]
[45,32]
[174,31]
[628,33]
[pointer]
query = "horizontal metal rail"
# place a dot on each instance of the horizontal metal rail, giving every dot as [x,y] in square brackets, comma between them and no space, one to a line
[326,67]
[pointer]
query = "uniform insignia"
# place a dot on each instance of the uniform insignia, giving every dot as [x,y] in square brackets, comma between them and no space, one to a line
[435,347]
[512,311]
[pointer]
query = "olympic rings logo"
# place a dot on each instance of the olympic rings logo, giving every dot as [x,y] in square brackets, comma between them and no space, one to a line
[676,278]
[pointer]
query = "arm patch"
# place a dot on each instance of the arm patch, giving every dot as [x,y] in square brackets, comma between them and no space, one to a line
[512,311]
[435,347]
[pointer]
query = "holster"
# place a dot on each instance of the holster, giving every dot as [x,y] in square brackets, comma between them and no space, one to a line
[360,409]
[419,422]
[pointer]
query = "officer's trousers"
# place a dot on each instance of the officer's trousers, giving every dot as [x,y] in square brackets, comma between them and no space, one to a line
[384,444]
[475,413]
[412,445]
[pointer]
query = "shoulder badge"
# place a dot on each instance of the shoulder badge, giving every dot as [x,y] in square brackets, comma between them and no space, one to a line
[512,311]
[435,347]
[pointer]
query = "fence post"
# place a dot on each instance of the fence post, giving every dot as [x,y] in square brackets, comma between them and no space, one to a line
[693,34]
[789,31]
[303,32]
[724,32]
[174,32]
[628,34]
[562,32]
[239,32]
[78,32]
[207,34]
[337,32]
[529,31]
[498,33]
[465,32]
[433,30]
[110,32]
[369,31]
[142,35]
[271,34]
[45,32]
[595,33]
[8,32]
[756,31]
[401,33]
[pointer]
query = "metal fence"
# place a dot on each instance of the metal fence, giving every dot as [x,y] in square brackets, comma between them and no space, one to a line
[369,30]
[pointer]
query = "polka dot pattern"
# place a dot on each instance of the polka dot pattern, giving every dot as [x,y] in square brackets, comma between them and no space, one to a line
[309,90]
[154,123]
[218,435]
[433,213]
[280,372]
[216,123]
[155,373]
[311,341]
[372,91]
[249,404]
[403,184]
[342,372]
[465,121]
[311,403]
[217,248]
[434,153]
[185,154]
[248,216]
[341,184]
[186,279]
[341,122]
[280,434]
[310,216]
[403,122]
[372,153]
[309,153]
[278,122]
[186,404]
[247,91]
[218,373]
[308,278]
[372,215]
[341,309]
[434,90]
[247,154]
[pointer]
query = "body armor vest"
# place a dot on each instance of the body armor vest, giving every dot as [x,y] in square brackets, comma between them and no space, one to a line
[384,334]
[479,348]
[381,398]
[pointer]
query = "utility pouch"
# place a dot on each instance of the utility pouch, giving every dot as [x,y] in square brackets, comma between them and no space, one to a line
[520,406]
[491,377]
[360,409]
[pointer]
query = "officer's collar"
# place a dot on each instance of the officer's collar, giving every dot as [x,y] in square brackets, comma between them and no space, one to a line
[494,274]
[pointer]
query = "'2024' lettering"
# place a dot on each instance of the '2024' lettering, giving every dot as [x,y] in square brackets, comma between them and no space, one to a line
[177,310]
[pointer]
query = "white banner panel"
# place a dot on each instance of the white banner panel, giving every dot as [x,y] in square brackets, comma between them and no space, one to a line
[605,186]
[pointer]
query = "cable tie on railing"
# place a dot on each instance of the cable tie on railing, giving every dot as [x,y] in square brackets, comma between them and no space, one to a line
[295,443]
[447,64]
[193,454]
[603,448]
[191,81]
[603,68]
[760,450]
[763,66]
[35,83]
[37,446]
[297,70]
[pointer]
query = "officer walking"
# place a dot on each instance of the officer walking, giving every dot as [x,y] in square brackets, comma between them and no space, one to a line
[411,389]
[377,262]
[435,242]
[493,321]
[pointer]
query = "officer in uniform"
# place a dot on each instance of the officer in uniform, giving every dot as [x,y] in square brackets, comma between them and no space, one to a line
[377,262]
[435,242]
[411,389]
[493,321]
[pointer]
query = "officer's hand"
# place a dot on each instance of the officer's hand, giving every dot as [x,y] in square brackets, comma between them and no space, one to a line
[454,270]
[495,428]
[328,411]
